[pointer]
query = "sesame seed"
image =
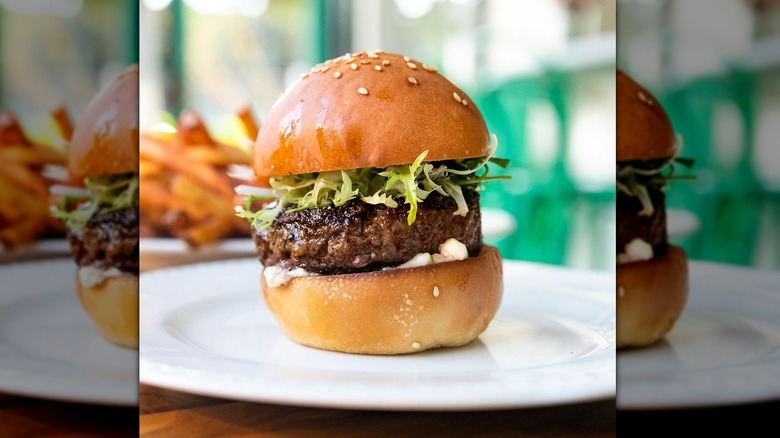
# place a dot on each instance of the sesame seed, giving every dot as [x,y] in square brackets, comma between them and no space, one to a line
[364,61]
[350,59]
[362,91]
[412,65]
[645,99]
[465,102]
[353,66]
[385,62]
[429,68]
[378,67]
[407,59]
[379,51]
[372,55]
[324,69]
[337,74]
[413,80]
[416,345]
[304,76]
[457,97]
[436,291]
[621,292]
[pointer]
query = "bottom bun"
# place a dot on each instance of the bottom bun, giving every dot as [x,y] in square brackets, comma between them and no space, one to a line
[651,295]
[392,311]
[113,308]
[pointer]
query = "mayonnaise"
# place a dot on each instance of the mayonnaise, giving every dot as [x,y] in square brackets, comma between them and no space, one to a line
[91,276]
[449,251]
[636,250]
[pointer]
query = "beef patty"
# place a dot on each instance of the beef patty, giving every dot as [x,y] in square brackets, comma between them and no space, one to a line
[108,240]
[651,229]
[360,237]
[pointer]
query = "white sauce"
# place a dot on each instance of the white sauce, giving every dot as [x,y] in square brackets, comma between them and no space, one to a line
[449,251]
[636,250]
[276,276]
[91,276]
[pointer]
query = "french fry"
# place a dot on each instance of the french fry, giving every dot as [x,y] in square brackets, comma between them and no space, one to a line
[208,231]
[24,179]
[245,114]
[185,186]
[198,171]
[24,187]
[217,155]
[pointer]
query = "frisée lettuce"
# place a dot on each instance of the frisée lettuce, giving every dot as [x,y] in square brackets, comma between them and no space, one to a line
[408,184]
[105,193]
[634,177]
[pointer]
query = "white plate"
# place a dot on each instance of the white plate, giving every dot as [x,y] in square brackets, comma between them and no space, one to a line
[206,330]
[41,249]
[49,348]
[724,349]
[681,223]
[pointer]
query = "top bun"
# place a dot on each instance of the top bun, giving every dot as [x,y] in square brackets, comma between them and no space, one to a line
[644,131]
[105,141]
[368,109]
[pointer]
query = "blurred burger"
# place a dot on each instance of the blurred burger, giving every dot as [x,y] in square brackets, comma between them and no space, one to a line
[652,275]
[102,215]
[373,242]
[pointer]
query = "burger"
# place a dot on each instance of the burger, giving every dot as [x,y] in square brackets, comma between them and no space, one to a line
[652,274]
[101,215]
[372,243]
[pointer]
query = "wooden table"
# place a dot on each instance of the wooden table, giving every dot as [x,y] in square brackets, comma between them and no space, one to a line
[170,413]
[33,417]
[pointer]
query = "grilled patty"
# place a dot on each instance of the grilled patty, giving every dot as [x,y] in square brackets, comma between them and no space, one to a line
[651,229]
[108,240]
[360,237]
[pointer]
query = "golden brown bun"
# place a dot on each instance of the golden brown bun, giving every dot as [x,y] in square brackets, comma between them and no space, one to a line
[323,123]
[644,131]
[651,295]
[113,308]
[105,140]
[394,311]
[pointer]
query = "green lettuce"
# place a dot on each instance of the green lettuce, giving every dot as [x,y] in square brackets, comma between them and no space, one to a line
[107,193]
[634,178]
[410,184]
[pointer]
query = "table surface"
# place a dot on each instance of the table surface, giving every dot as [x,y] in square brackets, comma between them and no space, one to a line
[33,417]
[172,413]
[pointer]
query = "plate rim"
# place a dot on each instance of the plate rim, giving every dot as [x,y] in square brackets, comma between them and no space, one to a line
[153,371]
[15,386]
[705,400]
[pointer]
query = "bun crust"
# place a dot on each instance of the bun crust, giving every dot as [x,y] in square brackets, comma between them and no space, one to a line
[394,311]
[113,308]
[105,141]
[651,295]
[324,123]
[644,131]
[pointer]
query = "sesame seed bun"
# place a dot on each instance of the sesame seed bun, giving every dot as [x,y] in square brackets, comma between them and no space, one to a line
[349,114]
[644,131]
[651,296]
[105,140]
[112,306]
[393,311]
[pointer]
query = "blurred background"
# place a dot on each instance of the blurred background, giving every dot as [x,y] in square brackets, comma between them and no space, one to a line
[60,53]
[541,71]
[719,80]
[55,55]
